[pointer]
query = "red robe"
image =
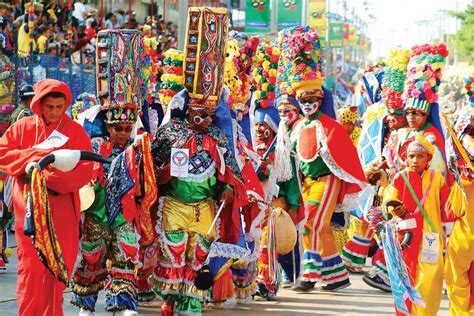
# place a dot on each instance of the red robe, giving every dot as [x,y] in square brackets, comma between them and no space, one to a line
[38,291]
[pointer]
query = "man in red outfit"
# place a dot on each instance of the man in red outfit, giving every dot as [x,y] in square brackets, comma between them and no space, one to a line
[29,140]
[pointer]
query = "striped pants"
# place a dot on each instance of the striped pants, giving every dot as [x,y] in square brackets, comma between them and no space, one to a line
[322,262]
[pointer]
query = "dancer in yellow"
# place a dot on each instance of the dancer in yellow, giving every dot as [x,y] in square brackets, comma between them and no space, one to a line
[420,192]
[460,250]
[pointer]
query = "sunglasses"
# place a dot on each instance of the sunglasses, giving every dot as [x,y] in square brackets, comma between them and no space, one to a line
[415,113]
[120,129]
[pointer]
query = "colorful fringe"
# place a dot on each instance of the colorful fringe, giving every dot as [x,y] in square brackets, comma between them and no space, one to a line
[355,252]
[333,270]
[312,265]
[44,238]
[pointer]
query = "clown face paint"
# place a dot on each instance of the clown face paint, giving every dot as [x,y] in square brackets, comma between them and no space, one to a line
[263,132]
[291,115]
[199,120]
[310,106]
[416,119]
[396,121]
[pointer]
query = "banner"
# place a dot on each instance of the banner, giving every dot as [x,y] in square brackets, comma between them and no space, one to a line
[352,35]
[317,18]
[257,16]
[289,13]
[336,34]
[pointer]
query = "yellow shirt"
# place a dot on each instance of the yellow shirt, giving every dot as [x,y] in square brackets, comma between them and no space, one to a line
[24,41]
[42,44]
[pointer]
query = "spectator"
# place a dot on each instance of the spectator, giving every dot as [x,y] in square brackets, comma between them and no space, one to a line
[43,31]
[79,10]
[24,42]
[90,30]
[110,21]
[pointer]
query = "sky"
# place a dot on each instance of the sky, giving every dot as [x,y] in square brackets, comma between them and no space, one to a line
[405,22]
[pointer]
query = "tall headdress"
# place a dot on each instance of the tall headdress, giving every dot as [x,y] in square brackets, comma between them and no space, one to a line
[423,78]
[172,80]
[304,52]
[394,80]
[285,93]
[119,74]
[204,55]
[243,59]
[265,77]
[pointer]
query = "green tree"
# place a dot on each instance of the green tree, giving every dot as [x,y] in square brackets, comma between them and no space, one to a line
[463,40]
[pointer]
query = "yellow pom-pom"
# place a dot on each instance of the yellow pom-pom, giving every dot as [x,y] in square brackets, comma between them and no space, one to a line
[273,72]
[8,252]
[266,65]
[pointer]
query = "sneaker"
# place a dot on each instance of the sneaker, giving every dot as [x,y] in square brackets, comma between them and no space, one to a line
[336,286]
[129,312]
[84,312]
[376,282]
[304,287]
[286,284]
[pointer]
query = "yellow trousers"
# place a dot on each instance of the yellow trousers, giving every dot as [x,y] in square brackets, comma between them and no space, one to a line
[460,251]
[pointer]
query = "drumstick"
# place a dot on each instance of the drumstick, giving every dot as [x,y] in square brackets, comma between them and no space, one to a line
[216,217]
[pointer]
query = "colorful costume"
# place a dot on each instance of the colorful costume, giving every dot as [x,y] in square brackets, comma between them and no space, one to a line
[186,205]
[16,151]
[266,120]
[330,173]
[460,249]
[111,226]
[420,93]
[424,255]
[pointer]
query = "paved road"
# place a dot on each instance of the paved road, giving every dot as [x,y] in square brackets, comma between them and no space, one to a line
[358,299]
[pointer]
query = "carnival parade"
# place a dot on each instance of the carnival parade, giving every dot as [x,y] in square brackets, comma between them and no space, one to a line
[198,167]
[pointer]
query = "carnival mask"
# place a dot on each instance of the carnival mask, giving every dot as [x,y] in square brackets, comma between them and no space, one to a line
[263,132]
[199,120]
[289,115]
[396,121]
[310,106]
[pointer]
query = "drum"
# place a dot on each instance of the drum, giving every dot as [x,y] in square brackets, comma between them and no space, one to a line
[285,231]
[87,197]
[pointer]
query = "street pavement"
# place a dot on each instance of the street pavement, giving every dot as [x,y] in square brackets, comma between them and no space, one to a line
[358,299]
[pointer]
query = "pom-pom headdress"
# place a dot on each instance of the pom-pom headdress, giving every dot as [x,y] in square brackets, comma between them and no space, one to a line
[231,79]
[394,80]
[119,78]
[265,77]
[243,61]
[304,52]
[172,80]
[204,55]
[424,76]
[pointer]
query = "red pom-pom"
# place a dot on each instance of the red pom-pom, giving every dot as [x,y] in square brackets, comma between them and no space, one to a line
[468,87]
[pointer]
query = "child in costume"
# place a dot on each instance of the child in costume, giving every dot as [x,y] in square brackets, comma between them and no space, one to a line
[195,166]
[459,256]
[332,174]
[112,226]
[420,192]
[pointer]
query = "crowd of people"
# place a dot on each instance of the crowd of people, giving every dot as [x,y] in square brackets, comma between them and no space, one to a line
[238,177]
[47,27]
